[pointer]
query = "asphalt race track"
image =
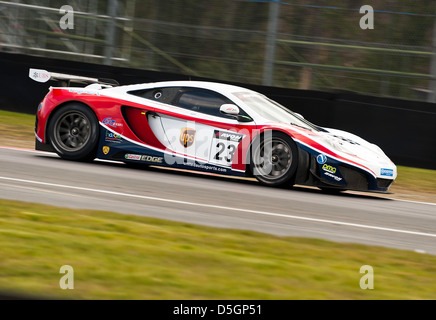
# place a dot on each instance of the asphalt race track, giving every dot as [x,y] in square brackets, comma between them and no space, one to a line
[366,218]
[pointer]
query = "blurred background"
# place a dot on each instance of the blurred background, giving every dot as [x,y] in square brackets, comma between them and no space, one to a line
[300,44]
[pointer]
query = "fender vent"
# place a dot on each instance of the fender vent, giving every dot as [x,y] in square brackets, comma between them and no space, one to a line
[136,119]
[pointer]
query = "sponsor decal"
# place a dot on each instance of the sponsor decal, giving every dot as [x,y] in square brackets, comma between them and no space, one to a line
[330,172]
[144,157]
[321,158]
[332,176]
[39,75]
[329,168]
[230,136]
[347,140]
[83,90]
[187,137]
[152,159]
[387,172]
[106,149]
[111,122]
[129,156]
[231,109]
[113,137]
[205,167]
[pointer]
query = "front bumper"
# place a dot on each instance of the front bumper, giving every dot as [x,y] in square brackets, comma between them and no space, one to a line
[344,176]
[327,173]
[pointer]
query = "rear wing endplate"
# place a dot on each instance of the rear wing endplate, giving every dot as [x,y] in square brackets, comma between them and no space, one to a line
[64,80]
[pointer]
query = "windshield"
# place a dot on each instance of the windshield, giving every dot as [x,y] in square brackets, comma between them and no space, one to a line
[273,111]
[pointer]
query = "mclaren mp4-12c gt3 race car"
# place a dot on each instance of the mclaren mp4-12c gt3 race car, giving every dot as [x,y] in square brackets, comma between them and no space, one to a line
[203,126]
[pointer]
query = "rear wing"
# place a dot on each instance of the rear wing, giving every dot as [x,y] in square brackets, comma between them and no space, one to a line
[65,80]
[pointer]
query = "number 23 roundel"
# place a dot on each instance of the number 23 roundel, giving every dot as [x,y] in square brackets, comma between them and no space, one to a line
[224,145]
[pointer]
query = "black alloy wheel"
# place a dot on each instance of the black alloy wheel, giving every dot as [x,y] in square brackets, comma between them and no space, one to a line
[274,159]
[73,132]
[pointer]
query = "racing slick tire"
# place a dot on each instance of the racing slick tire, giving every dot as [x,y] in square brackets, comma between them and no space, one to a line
[73,132]
[274,159]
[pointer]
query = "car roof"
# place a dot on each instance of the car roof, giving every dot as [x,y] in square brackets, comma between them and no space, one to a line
[215,86]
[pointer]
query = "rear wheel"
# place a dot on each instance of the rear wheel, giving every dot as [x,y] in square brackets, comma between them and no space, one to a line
[274,159]
[73,132]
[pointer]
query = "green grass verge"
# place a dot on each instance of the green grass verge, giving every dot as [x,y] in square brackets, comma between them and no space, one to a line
[118,256]
[18,123]
[16,129]
[415,179]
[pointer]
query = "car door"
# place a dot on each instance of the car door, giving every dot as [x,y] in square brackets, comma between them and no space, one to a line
[196,129]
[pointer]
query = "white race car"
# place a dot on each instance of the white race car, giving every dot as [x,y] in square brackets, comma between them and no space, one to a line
[203,126]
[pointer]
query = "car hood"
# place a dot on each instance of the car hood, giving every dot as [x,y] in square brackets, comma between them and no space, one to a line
[352,144]
[359,150]
[349,148]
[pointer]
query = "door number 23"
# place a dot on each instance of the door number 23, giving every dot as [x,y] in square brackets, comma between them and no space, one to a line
[228,150]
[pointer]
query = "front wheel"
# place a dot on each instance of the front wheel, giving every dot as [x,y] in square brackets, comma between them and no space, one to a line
[73,132]
[274,159]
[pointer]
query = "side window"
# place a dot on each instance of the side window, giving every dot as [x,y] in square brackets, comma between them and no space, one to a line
[203,101]
[164,95]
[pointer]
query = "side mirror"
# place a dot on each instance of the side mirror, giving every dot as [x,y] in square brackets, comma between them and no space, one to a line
[229,109]
[233,110]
